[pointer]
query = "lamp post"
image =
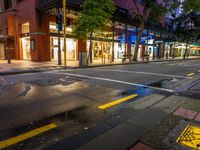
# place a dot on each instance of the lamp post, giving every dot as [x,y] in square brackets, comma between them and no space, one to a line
[64,30]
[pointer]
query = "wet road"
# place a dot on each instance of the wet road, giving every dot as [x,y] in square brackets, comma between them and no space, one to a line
[71,98]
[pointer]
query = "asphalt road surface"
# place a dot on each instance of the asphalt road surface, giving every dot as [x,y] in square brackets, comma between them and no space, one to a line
[75,100]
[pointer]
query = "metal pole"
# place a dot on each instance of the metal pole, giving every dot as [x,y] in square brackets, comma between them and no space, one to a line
[64,30]
[59,49]
[113,38]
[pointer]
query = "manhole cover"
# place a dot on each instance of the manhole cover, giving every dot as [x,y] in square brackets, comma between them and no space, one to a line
[190,137]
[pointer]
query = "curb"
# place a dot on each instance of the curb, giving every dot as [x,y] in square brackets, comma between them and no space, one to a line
[43,69]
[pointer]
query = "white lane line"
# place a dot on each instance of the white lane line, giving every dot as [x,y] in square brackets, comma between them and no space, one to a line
[147,73]
[112,80]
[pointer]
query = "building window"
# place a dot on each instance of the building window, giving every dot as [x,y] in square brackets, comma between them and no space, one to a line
[7,4]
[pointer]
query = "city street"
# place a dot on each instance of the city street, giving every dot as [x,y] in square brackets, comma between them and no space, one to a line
[76,108]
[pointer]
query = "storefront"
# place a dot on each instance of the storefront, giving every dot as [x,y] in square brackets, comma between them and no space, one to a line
[71,50]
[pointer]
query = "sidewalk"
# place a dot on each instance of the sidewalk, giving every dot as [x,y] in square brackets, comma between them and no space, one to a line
[159,124]
[157,127]
[22,66]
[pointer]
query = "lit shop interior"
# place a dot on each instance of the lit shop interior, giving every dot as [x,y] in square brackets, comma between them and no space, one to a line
[25,41]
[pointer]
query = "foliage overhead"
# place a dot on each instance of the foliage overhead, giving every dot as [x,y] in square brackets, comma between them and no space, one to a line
[95,17]
[191,5]
[188,27]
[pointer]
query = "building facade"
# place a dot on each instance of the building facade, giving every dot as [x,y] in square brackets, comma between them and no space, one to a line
[28,32]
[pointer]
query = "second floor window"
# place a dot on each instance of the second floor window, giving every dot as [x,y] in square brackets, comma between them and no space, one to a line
[7,4]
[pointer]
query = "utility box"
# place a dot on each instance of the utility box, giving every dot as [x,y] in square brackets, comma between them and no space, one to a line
[83,59]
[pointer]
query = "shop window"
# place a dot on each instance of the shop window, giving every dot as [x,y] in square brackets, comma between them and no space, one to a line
[7,4]
[25,28]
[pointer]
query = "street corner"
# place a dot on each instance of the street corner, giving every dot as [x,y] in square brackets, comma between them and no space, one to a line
[189,88]
[184,136]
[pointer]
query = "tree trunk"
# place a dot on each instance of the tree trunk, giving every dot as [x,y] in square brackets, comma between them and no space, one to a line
[141,29]
[90,48]
[113,38]
[186,50]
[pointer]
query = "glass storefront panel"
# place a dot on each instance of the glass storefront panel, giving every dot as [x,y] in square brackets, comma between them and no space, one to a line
[71,48]
[2,54]
[26,48]
[119,49]
[102,48]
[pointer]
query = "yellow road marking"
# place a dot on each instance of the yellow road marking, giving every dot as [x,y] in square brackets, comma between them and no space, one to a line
[190,137]
[190,74]
[198,70]
[117,101]
[27,135]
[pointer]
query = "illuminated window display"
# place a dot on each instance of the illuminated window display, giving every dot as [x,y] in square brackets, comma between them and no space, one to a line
[119,49]
[71,48]
[26,48]
[101,48]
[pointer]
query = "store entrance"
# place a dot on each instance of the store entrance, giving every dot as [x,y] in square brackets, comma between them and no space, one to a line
[26,50]
[2,52]
[71,48]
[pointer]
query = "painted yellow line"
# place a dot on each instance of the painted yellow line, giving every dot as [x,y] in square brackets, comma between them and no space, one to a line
[190,74]
[27,135]
[198,70]
[117,101]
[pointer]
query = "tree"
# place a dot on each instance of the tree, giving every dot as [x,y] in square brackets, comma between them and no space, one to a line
[187,25]
[188,29]
[191,5]
[152,10]
[95,17]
